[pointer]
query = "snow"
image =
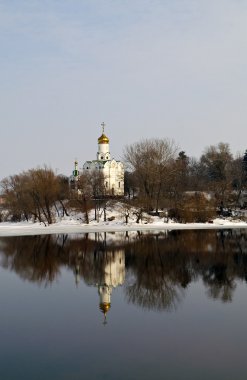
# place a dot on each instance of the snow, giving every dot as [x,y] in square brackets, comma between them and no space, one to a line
[74,224]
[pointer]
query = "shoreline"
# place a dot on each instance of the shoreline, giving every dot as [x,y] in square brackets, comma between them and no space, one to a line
[21,229]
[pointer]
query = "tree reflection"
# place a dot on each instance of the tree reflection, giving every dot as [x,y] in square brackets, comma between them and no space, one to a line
[157,279]
[219,282]
[155,270]
[166,297]
[34,258]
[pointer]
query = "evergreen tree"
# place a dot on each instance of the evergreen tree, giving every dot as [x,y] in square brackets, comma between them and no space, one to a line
[245,162]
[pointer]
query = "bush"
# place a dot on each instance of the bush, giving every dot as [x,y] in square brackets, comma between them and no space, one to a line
[196,209]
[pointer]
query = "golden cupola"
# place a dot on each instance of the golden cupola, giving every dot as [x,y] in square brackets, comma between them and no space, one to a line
[105,307]
[103,139]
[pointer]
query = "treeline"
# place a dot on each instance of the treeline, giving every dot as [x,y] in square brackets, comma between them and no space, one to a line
[161,176]
[158,176]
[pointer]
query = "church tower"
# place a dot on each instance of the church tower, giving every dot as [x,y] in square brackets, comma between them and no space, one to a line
[112,170]
[103,146]
[74,178]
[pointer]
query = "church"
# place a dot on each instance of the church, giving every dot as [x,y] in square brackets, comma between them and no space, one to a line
[112,170]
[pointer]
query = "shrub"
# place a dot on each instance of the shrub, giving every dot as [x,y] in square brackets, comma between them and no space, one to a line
[196,209]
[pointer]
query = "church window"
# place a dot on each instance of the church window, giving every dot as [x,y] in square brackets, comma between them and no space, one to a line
[106,184]
[119,184]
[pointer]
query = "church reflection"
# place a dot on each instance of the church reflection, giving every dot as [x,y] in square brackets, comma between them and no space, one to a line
[111,276]
[154,271]
[105,269]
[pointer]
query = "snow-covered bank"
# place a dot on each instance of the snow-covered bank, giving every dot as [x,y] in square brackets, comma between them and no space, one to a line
[116,222]
[74,226]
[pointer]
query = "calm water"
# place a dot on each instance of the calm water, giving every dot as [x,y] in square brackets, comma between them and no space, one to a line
[110,306]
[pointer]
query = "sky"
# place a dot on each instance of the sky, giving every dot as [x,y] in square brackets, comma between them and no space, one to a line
[171,69]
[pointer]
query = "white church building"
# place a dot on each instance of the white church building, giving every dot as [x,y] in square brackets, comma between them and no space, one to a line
[112,170]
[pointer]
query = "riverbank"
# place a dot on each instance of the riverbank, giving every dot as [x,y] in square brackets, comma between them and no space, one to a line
[67,226]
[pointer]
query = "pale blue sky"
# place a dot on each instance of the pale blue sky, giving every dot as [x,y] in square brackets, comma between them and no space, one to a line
[148,68]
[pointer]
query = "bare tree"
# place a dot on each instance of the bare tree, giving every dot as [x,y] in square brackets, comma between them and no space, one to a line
[44,190]
[151,161]
[17,200]
[130,184]
[83,195]
[63,193]
[95,180]
[32,194]
[178,179]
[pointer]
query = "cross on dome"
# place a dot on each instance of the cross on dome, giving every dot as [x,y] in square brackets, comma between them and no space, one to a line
[103,127]
[103,139]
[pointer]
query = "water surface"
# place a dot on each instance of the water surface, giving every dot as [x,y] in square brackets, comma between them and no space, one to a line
[124,306]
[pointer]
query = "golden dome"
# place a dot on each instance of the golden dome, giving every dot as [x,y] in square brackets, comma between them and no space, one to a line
[103,139]
[105,307]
